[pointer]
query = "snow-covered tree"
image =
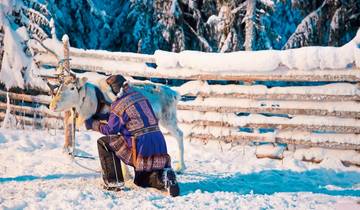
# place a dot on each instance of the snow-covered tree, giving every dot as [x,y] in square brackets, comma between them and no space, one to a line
[344,22]
[334,22]
[21,20]
[174,25]
[250,24]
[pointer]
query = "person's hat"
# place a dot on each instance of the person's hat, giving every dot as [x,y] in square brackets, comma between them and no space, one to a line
[116,82]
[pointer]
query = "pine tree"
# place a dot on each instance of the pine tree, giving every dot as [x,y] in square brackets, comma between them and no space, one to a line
[1,43]
[24,20]
[335,22]
[250,25]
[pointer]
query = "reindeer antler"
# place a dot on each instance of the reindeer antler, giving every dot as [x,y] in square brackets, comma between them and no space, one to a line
[61,69]
[52,88]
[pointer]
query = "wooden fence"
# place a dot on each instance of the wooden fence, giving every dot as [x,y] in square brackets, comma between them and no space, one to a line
[30,110]
[323,112]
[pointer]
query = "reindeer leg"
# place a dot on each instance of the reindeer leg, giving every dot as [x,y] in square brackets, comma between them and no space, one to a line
[180,166]
[178,134]
[67,132]
[79,121]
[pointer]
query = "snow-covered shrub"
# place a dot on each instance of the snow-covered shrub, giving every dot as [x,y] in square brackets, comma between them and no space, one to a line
[20,21]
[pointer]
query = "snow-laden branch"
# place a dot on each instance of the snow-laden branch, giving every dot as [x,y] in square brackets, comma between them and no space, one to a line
[36,17]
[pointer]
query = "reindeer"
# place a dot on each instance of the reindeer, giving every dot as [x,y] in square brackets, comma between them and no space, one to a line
[82,95]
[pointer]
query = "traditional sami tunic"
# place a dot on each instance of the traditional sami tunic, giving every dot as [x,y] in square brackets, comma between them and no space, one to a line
[132,121]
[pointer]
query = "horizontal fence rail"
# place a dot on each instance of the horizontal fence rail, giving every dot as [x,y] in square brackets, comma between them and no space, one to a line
[315,108]
[30,110]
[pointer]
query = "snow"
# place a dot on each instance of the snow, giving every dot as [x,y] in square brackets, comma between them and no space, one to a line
[196,87]
[269,3]
[323,137]
[6,121]
[332,187]
[301,61]
[17,69]
[14,59]
[305,58]
[212,20]
[35,174]
[220,132]
[356,49]
[329,158]
[65,38]
[234,120]
[269,150]
[224,103]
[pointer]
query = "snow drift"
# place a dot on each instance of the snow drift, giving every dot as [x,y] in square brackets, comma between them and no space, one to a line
[305,58]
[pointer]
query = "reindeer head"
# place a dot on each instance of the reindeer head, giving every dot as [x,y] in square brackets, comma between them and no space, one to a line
[68,93]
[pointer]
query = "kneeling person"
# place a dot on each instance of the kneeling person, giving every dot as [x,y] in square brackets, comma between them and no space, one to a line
[133,135]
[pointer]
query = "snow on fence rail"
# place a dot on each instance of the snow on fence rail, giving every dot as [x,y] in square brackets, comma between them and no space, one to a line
[43,99]
[22,108]
[316,115]
[303,64]
[329,108]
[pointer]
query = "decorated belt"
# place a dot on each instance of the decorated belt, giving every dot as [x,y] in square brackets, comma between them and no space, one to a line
[146,130]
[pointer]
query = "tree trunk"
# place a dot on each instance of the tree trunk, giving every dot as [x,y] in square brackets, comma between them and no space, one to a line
[250,25]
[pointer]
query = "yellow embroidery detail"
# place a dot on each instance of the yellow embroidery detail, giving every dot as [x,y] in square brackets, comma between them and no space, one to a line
[135,122]
[127,101]
[147,111]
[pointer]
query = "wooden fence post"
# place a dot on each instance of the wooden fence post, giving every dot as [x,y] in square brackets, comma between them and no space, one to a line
[68,117]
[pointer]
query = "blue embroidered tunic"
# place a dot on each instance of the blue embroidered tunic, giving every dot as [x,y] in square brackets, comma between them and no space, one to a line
[132,116]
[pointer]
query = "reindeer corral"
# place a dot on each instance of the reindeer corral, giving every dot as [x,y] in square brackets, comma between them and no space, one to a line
[246,111]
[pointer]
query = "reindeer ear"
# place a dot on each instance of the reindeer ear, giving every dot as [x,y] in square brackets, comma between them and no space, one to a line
[82,81]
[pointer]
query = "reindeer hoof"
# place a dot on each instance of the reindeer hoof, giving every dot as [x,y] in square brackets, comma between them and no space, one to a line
[180,168]
[66,150]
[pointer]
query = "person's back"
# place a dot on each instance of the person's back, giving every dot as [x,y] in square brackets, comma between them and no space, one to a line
[138,123]
[133,121]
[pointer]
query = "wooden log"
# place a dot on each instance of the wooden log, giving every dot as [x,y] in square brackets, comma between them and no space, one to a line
[68,128]
[247,138]
[279,126]
[31,111]
[348,163]
[43,99]
[274,110]
[116,56]
[270,151]
[298,122]
[312,160]
[261,156]
[289,97]
[141,70]
[341,75]
[66,49]
[33,122]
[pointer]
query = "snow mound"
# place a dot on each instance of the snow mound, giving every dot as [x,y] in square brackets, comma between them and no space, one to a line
[35,174]
[305,58]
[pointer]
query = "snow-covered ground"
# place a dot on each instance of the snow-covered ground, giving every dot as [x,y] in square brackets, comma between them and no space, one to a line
[35,174]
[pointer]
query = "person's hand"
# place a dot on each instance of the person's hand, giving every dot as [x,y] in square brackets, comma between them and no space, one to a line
[102,116]
[88,123]
[92,124]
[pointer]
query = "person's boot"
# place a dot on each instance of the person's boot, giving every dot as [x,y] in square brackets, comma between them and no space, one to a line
[113,186]
[111,167]
[171,185]
[156,180]
[142,178]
